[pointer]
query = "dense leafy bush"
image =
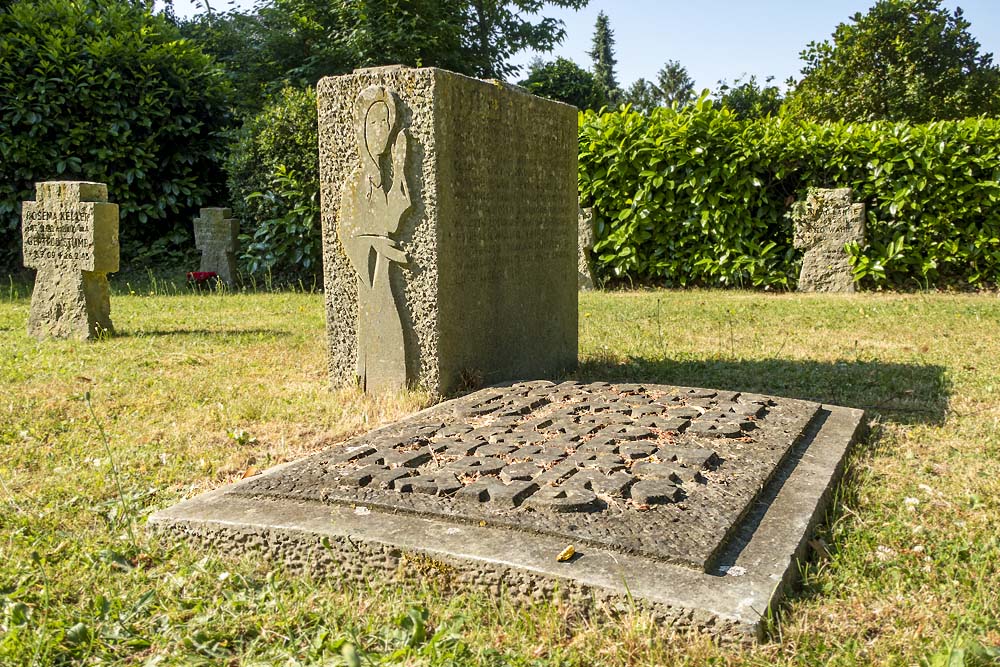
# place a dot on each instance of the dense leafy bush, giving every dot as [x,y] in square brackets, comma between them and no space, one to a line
[103,90]
[563,80]
[698,197]
[274,183]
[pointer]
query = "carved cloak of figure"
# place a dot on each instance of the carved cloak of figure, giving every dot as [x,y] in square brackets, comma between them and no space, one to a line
[373,202]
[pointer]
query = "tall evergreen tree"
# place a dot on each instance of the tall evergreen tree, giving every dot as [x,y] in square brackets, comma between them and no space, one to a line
[674,84]
[643,96]
[603,55]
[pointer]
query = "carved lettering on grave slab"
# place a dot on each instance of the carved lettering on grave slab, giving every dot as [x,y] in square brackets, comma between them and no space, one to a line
[216,234]
[374,200]
[662,471]
[70,235]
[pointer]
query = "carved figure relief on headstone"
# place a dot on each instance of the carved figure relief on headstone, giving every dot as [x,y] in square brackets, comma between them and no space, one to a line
[449,207]
[373,202]
[824,224]
[588,236]
[70,235]
[216,234]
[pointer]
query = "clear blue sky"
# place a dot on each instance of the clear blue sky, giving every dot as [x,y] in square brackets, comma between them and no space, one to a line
[713,39]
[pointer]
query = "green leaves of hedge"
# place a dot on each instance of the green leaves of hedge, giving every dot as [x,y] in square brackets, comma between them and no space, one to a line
[697,196]
[105,91]
[274,180]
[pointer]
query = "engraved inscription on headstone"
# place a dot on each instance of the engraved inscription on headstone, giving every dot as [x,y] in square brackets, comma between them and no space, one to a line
[216,234]
[824,224]
[588,236]
[661,471]
[70,235]
[374,200]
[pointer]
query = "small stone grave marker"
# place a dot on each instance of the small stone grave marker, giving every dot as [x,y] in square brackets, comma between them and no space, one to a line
[216,234]
[70,236]
[588,236]
[824,224]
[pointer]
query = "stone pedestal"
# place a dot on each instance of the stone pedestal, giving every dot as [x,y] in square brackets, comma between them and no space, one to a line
[70,235]
[216,234]
[449,210]
[824,224]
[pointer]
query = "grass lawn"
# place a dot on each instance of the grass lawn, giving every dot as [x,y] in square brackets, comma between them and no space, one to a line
[198,390]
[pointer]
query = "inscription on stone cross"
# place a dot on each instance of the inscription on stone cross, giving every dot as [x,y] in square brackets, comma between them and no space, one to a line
[70,235]
[373,202]
[216,234]
[824,224]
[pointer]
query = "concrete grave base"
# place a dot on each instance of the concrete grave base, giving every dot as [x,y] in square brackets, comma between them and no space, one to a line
[631,544]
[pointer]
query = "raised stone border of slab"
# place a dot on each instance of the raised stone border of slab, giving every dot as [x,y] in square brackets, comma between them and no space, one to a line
[730,600]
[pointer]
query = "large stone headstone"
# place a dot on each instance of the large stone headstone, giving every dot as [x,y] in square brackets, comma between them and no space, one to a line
[824,225]
[587,238]
[70,235]
[216,234]
[449,219]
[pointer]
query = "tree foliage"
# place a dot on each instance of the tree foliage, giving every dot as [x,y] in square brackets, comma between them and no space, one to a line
[904,59]
[750,99]
[562,79]
[104,90]
[674,85]
[296,42]
[497,29]
[602,53]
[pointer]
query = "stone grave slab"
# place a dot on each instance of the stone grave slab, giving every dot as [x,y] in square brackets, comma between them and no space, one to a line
[216,234]
[694,502]
[70,235]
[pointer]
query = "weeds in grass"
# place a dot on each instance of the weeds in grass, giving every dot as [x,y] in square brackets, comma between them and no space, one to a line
[127,514]
[13,292]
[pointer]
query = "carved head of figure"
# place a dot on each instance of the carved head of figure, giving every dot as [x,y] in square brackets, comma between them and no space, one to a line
[375,120]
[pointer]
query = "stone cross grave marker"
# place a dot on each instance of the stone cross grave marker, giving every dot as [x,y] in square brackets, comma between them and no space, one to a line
[588,236]
[216,234]
[825,223]
[70,235]
[449,206]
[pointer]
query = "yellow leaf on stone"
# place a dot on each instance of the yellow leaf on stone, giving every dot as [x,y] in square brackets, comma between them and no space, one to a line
[566,554]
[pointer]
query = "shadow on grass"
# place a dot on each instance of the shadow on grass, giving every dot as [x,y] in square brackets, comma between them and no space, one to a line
[219,333]
[901,393]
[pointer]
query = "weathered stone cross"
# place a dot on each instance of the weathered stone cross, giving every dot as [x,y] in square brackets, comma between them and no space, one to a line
[70,235]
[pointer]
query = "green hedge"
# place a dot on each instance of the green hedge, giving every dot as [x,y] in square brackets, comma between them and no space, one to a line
[273,169]
[104,90]
[697,197]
